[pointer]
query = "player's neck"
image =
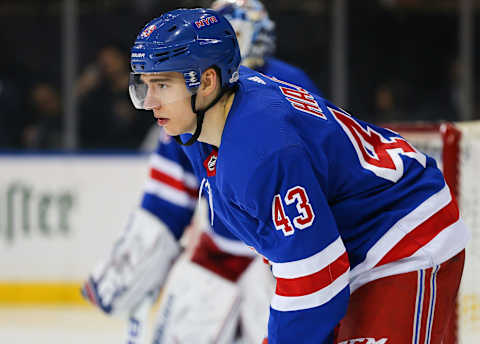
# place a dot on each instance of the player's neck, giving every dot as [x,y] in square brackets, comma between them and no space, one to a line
[215,119]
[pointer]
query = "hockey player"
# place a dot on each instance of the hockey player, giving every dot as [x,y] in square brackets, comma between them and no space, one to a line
[361,231]
[218,250]
[256,37]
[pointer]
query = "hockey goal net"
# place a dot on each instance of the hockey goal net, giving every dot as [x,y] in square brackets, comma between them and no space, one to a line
[456,147]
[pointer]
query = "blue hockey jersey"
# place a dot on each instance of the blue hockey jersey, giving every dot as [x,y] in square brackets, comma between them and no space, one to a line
[172,189]
[332,202]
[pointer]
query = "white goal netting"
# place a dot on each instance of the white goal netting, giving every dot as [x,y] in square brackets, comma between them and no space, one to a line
[469,200]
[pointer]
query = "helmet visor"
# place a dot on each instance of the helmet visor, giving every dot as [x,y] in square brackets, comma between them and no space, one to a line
[152,90]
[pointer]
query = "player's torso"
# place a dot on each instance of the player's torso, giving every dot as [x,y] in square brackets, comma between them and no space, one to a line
[370,176]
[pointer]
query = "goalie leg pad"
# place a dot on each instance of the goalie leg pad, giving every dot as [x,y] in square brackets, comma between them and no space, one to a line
[197,306]
[257,286]
[138,263]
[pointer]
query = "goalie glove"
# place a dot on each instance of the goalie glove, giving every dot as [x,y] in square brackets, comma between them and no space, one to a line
[139,263]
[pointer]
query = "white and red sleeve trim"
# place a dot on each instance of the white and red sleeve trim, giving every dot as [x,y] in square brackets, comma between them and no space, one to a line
[169,181]
[313,281]
[429,235]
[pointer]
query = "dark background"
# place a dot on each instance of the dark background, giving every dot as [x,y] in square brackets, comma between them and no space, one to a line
[410,47]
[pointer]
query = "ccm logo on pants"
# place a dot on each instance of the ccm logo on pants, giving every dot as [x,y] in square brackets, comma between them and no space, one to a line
[365,341]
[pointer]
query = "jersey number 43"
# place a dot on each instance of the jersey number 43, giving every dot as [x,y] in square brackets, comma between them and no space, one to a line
[282,222]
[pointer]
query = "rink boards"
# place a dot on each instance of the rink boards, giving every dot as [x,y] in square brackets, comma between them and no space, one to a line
[59,214]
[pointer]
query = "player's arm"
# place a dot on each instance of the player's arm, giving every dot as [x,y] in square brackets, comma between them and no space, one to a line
[171,189]
[142,256]
[298,235]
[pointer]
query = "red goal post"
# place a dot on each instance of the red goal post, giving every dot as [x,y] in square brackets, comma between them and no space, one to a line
[456,148]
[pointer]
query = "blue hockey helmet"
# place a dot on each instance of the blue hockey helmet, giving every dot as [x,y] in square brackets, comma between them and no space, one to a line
[255,30]
[188,41]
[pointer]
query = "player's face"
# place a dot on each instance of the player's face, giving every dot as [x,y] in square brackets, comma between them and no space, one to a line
[169,99]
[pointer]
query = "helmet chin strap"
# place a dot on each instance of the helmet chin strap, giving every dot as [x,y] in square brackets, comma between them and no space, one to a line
[200,117]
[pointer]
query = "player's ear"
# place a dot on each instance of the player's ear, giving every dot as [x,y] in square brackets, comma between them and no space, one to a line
[209,82]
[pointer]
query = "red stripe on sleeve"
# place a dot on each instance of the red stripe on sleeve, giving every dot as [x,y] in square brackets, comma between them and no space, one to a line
[311,283]
[175,183]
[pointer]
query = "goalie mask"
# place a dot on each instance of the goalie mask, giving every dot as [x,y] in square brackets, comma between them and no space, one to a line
[254,29]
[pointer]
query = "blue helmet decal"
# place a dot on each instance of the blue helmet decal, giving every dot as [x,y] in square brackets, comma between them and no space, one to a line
[187,41]
[148,31]
[206,21]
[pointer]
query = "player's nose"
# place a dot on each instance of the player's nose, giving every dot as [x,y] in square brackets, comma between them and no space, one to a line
[151,102]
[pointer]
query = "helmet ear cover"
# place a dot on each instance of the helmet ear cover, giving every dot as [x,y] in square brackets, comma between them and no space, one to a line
[201,113]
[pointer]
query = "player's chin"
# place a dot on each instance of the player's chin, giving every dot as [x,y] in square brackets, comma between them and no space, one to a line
[175,129]
[171,131]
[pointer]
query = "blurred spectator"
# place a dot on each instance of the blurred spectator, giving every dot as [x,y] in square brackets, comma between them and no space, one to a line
[45,129]
[389,102]
[107,118]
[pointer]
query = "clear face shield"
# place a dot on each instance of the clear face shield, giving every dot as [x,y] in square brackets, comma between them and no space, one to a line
[154,90]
